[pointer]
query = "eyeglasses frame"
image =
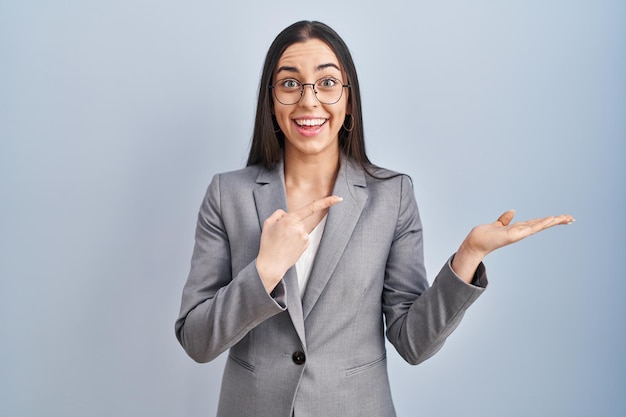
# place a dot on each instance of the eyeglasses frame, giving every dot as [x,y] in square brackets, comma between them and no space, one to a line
[302,85]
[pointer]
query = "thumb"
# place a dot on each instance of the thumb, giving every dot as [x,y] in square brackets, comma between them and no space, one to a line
[506,217]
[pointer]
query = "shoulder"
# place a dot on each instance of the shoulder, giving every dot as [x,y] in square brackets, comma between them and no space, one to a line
[239,179]
[383,185]
[386,179]
[244,175]
[225,186]
[377,173]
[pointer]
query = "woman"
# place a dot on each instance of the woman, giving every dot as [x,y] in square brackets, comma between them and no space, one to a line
[300,255]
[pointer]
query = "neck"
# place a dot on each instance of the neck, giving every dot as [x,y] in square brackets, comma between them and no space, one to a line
[311,171]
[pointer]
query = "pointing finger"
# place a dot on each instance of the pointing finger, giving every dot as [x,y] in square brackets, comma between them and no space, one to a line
[275,217]
[315,207]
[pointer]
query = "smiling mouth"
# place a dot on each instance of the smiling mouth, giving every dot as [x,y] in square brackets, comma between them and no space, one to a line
[310,123]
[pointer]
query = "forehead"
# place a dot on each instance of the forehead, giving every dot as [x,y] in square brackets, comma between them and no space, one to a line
[307,55]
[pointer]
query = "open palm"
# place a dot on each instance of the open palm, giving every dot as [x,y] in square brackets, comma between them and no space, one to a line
[488,237]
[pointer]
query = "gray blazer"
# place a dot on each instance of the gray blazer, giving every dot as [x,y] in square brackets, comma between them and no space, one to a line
[323,355]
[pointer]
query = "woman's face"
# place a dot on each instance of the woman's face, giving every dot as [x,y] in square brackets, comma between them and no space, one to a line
[310,127]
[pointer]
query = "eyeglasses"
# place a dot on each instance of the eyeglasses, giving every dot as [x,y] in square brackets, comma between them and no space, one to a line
[289,91]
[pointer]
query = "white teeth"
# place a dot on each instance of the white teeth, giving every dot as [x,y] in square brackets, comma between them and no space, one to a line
[310,122]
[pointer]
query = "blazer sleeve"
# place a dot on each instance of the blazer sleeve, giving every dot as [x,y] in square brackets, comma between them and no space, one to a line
[218,309]
[419,318]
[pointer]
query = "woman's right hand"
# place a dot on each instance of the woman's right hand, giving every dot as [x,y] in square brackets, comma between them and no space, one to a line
[284,239]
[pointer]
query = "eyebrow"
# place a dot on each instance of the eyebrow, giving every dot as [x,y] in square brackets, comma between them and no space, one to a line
[318,68]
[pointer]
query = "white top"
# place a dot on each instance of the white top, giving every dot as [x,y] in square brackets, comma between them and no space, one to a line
[304,264]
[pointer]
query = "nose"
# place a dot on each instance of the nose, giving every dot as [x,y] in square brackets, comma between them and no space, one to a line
[308,99]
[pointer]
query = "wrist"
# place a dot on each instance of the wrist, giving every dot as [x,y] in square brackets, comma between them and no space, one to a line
[466,261]
[469,253]
[269,277]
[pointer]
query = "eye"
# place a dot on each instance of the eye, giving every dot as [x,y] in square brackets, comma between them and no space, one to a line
[328,82]
[289,83]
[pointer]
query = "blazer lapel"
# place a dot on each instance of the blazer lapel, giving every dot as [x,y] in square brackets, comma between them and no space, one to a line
[269,197]
[342,218]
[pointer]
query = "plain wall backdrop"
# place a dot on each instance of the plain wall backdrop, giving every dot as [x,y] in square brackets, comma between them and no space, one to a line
[114,116]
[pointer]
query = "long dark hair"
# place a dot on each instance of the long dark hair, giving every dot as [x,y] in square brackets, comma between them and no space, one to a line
[267,139]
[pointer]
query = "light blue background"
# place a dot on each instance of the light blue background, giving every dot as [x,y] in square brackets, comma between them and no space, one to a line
[114,115]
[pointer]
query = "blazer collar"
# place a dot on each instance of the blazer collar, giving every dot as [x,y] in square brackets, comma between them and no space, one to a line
[342,218]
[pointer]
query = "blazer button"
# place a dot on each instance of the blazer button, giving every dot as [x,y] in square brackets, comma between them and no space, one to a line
[298,358]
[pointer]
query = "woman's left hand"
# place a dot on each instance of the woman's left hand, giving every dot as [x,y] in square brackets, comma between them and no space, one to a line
[486,238]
